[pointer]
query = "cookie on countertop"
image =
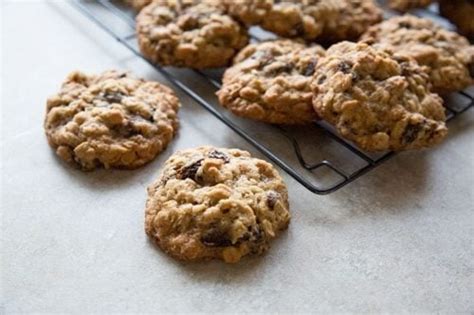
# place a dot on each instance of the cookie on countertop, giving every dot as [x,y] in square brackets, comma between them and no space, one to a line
[461,13]
[322,20]
[212,203]
[137,4]
[270,82]
[378,100]
[406,5]
[110,120]
[250,12]
[447,55]
[189,33]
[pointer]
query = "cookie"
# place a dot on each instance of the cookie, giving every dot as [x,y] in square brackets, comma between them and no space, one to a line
[378,100]
[448,56]
[137,4]
[324,20]
[212,203]
[249,12]
[270,82]
[189,33]
[406,5]
[110,120]
[461,13]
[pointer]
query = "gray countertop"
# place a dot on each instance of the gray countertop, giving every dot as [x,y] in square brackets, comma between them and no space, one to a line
[398,239]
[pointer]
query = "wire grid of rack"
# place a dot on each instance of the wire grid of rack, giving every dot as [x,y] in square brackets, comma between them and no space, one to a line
[300,168]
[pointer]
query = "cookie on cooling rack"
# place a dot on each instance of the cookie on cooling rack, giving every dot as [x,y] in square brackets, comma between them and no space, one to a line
[189,33]
[137,4]
[110,120]
[324,20]
[378,100]
[270,82]
[250,12]
[406,5]
[216,203]
[449,57]
[461,13]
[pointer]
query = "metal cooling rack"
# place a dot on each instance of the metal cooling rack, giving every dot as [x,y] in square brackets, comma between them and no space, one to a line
[323,172]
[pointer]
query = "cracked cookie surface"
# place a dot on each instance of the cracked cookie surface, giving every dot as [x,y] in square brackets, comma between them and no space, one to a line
[110,120]
[216,203]
[378,100]
[324,20]
[189,33]
[406,5]
[447,55]
[250,12]
[270,82]
[460,13]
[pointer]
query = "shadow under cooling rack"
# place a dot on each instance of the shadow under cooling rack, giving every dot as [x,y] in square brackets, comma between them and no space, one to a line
[313,155]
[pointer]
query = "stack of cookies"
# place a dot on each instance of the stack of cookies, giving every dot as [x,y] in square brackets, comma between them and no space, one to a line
[378,93]
[379,85]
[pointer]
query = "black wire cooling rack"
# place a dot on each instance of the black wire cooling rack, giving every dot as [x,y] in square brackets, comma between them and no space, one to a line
[322,171]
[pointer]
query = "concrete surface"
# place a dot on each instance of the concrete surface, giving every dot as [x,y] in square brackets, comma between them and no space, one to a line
[398,240]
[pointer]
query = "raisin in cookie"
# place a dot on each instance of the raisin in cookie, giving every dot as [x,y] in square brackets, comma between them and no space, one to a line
[378,100]
[325,20]
[250,12]
[448,56]
[137,4]
[216,203]
[189,33]
[110,120]
[270,82]
[406,5]
[461,13]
